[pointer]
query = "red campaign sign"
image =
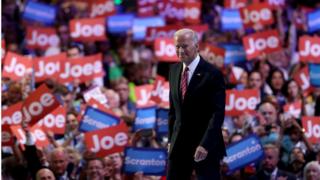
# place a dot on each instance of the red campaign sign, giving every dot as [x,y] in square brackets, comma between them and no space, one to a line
[102,8]
[38,134]
[160,93]
[96,104]
[147,8]
[55,121]
[143,95]
[39,103]
[41,38]
[261,42]
[293,109]
[82,69]
[107,140]
[192,12]
[238,102]
[16,66]
[274,4]
[309,49]
[12,115]
[3,49]
[256,14]
[303,79]
[6,135]
[235,4]
[211,52]
[312,128]
[88,30]
[165,50]
[48,67]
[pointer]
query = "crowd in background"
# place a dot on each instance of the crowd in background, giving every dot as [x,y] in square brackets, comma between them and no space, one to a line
[127,62]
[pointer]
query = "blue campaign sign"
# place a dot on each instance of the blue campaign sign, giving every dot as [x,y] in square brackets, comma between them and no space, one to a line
[230,19]
[120,23]
[140,25]
[314,20]
[40,12]
[94,119]
[234,53]
[244,152]
[147,160]
[162,121]
[314,74]
[145,118]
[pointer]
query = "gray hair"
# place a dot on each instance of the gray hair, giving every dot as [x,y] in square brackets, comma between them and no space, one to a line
[185,31]
[312,163]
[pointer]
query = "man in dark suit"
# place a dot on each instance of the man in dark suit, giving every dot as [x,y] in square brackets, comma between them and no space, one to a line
[197,103]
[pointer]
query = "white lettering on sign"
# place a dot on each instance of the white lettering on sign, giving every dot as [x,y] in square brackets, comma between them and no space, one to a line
[77,71]
[260,44]
[16,68]
[241,103]
[166,49]
[108,142]
[87,30]
[257,16]
[313,50]
[100,9]
[48,69]
[313,130]
[43,39]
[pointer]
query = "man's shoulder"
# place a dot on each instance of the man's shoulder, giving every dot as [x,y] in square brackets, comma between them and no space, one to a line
[285,174]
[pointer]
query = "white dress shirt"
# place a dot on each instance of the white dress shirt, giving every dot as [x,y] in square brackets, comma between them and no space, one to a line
[192,67]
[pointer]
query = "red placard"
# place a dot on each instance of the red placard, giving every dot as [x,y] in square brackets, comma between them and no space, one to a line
[256,14]
[210,52]
[6,135]
[41,38]
[303,79]
[160,93]
[82,69]
[102,8]
[12,115]
[261,42]
[147,8]
[235,4]
[293,109]
[88,30]
[165,50]
[107,140]
[309,49]
[48,67]
[143,95]
[274,4]
[312,128]
[55,121]
[39,103]
[38,134]
[16,66]
[238,102]
[192,12]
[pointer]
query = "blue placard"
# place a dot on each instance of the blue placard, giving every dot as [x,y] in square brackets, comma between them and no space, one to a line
[120,23]
[145,118]
[162,121]
[230,19]
[147,160]
[140,25]
[94,119]
[40,12]
[314,20]
[244,152]
[314,74]
[234,53]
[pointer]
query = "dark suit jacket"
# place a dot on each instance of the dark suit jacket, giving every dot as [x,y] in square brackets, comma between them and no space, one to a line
[262,176]
[196,120]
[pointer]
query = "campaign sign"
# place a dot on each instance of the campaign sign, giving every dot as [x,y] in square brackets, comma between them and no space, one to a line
[192,12]
[293,109]
[38,104]
[6,135]
[244,152]
[165,50]
[314,74]
[212,53]
[95,93]
[41,38]
[94,119]
[39,12]
[274,4]
[234,53]
[16,66]
[235,4]
[239,101]
[140,25]
[230,19]
[120,23]
[309,49]
[88,29]
[102,8]
[253,14]
[145,118]
[150,161]
[162,121]
[313,21]
[146,7]
[302,77]
[107,140]
[48,67]
[312,128]
[143,95]
[160,93]
[12,115]
[55,121]
[96,104]
[261,42]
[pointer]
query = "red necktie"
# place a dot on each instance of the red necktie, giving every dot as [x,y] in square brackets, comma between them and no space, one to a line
[184,82]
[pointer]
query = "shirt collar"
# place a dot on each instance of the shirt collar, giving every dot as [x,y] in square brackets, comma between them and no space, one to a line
[192,66]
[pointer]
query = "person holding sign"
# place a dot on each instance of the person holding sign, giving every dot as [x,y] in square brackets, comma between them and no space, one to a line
[197,104]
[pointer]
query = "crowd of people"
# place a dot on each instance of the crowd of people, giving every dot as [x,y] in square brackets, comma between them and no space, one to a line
[127,63]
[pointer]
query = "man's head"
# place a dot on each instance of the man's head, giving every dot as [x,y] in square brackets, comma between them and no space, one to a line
[271,157]
[59,161]
[186,42]
[95,169]
[269,112]
[45,174]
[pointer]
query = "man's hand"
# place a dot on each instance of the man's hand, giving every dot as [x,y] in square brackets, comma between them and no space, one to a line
[200,154]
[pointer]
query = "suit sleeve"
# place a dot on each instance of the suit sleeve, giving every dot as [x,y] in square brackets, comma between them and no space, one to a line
[209,140]
[171,116]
